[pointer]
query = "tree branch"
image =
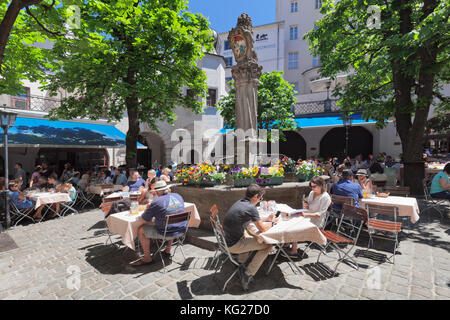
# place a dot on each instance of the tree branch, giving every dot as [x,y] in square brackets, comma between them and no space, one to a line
[55,33]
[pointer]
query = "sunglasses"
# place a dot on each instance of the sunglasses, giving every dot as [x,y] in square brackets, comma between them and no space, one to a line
[313,185]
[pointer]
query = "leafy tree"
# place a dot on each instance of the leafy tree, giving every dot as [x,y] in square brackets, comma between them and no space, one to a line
[131,56]
[24,23]
[275,100]
[400,64]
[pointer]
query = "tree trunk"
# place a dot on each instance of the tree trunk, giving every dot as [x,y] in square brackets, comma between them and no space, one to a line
[132,134]
[8,22]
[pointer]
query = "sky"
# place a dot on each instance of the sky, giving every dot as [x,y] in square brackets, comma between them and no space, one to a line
[223,14]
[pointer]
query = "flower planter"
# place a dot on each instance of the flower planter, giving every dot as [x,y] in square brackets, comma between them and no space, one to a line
[209,183]
[290,177]
[273,181]
[239,183]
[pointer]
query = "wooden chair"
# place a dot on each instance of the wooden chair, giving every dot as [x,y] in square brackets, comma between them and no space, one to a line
[398,191]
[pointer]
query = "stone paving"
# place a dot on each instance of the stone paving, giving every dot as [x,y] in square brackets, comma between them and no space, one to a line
[67,259]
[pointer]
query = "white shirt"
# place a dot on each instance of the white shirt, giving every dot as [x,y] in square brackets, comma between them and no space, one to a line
[319,205]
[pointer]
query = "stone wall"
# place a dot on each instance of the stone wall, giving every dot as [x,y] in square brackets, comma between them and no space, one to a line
[224,197]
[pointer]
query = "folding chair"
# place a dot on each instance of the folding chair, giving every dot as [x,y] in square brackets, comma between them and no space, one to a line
[430,201]
[335,215]
[83,200]
[376,222]
[178,239]
[69,206]
[17,214]
[353,217]
[222,246]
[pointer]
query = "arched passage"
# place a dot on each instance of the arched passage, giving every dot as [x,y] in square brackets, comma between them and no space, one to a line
[294,146]
[360,140]
[157,148]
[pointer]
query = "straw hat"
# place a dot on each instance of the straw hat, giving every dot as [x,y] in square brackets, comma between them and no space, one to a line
[362,172]
[161,185]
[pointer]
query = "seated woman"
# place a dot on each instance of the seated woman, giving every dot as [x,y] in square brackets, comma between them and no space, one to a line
[440,185]
[317,205]
[34,181]
[66,188]
[364,181]
[21,201]
[165,175]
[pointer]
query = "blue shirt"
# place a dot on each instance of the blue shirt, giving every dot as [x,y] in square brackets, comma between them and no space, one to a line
[24,204]
[345,187]
[168,204]
[121,179]
[436,184]
[135,185]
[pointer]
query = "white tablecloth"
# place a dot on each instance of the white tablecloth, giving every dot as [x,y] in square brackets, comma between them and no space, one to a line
[407,206]
[126,225]
[98,189]
[293,229]
[48,197]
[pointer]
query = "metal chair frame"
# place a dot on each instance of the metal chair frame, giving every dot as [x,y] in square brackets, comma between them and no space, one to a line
[223,247]
[84,200]
[435,202]
[393,227]
[19,213]
[350,217]
[334,215]
[178,240]
[69,206]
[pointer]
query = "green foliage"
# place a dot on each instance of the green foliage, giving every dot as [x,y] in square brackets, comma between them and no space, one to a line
[133,56]
[275,99]
[25,55]
[377,57]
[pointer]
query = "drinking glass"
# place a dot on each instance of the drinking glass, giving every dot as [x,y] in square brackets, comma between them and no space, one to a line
[134,208]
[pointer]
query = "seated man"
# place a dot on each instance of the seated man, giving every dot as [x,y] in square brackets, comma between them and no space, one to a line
[166,204]
[346,187]
[21,201]
[236,220]
[136,181]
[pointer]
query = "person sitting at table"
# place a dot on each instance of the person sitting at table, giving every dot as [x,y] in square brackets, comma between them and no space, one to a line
[84,181]
[166,204]
[22,202]
[346,187]
[108,177]
[53,182]
[235,222]
[75,179]
[34,181]
[151,174]
[136,181]
[440,185]
[65,188]
[364,181]
[165,175]
[122,178]
[317,205]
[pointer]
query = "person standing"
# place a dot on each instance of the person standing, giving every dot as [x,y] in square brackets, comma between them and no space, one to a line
[20,175]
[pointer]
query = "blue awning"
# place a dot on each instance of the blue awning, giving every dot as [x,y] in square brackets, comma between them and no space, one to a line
[33,132]
[317,121]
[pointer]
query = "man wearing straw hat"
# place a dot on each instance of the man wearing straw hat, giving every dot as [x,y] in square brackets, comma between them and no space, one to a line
[167,203]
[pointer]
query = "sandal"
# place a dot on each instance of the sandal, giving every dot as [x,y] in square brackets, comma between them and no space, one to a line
[140,262]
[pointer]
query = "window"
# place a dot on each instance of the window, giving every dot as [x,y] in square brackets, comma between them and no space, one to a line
[318,4]
[227,45]
[228,61]
[22,100]
[294,6]
[316,61]
[293,60]
[212,97]
[293,33]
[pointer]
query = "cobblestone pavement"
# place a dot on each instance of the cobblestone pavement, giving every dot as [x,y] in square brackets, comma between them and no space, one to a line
[50,255]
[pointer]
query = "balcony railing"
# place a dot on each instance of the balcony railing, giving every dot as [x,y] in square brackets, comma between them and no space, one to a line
[310,107]
[34,103]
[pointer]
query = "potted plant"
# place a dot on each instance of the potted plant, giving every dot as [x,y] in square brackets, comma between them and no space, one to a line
[203,175]
[270,176]
[290,169]
[243,177]
[308,169]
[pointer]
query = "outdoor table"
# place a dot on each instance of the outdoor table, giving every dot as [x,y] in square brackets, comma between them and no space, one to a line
[100,190]
[126,225]
[407,206]
[293,228]
[48,198]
